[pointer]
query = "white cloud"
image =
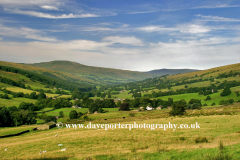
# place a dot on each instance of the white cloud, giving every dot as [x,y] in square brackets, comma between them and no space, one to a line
[216,18]
[194,28]
[50,16]
[124,40]
[185,28]
[157,29]
[216,6]
[49,7]
[25,32]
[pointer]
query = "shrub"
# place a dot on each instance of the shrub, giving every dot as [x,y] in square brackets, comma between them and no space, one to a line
[201,140]
[86,118]
[178,108]
[61,115]
[231,101]
[73,114]
[224,102]
[50,118]
[124,107]
[226,92]
[193,106]
[208,98]
[182,138]
[213,104]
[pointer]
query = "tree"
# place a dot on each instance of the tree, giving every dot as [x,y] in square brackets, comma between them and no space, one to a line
[61,114]
[80,114]
[178,108]
[124,107]
[73,114]
[208,98]
[226,91]
[33,95]
[88,103]
[93,107]
[41,95]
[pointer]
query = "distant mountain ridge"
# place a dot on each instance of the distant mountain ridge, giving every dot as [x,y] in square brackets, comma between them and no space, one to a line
[165,71]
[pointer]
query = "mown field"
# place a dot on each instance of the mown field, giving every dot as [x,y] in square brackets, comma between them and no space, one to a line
[122,143]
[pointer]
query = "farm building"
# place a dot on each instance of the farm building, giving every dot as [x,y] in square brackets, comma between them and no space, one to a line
[76,107]
[48,125]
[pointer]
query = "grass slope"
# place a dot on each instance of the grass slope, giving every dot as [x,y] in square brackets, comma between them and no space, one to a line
[96,74]
[122,143]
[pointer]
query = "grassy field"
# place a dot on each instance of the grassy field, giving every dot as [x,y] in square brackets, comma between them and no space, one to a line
[215,97]
[15,101]
[122,143]
[14,130]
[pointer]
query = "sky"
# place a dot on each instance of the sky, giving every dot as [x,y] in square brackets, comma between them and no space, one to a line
[137,35]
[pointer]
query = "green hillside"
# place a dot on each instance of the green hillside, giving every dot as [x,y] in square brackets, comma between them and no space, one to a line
[96,74]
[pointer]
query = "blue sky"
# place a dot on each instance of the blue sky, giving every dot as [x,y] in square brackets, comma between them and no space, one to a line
[136,35]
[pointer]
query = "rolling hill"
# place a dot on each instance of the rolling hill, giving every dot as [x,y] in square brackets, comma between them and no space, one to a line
[97,74]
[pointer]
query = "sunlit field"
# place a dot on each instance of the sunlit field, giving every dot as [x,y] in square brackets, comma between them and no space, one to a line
[122,143]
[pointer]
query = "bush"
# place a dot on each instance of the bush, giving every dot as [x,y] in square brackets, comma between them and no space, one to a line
[50,118]
[213,104]
[224,102]
[61,115]
[86,118]
[204,104]
[226,92]
[231,101]
[193,106]
[124,107]
[178,108]
[208,98]
[201,140]
[73,114]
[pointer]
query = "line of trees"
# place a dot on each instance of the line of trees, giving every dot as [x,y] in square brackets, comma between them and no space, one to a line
[13,116]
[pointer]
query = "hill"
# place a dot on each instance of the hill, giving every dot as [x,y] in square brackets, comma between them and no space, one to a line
[164,71]
[97,74]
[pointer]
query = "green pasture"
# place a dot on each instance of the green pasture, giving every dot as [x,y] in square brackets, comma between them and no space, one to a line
[138,143]
[15,101]
[215,97]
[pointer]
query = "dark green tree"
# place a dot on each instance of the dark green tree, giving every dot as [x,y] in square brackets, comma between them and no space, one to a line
[61,114]
[226,91]
[178,108]
[73,114]
[124,107]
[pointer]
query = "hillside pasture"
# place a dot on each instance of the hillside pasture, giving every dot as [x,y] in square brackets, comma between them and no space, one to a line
[130,144]
[15,101]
